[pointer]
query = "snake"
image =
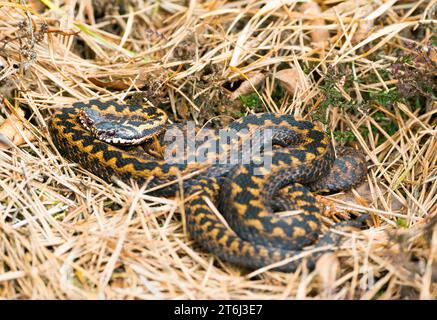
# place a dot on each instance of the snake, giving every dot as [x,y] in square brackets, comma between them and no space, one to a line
[231,207]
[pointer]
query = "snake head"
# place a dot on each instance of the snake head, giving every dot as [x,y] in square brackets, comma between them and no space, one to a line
[113,128]
[108,127]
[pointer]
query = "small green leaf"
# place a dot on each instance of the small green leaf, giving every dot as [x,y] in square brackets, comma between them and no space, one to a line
[250,101]
[402,222]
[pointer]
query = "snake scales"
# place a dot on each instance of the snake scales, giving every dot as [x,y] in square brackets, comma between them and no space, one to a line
[303,160]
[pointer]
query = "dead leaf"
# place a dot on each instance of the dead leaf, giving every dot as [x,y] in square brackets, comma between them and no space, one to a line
[249,85]
[318,36]
[327,269]
[118,84]
[12,130]
[345,6]
[363,196]
[38,6]
[290,80]
[365,26]
[433,54]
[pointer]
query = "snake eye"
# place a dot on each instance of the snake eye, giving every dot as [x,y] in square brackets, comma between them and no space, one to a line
[89,122]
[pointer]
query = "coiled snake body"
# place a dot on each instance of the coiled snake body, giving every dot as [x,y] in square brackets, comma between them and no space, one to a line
[302,161]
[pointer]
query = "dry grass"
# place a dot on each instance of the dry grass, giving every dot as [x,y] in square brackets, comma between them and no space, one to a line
[66,234]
